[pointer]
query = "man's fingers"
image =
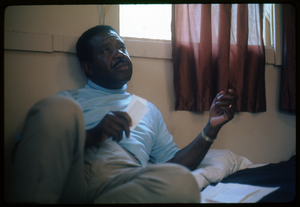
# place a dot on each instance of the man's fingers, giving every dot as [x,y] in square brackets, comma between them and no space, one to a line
[121,121]
[223,103]
[126,117]
[233,92]
[115,132]
[225,107]
[219,94]
[226,97]
[123,115]
[231,95]
[227,112]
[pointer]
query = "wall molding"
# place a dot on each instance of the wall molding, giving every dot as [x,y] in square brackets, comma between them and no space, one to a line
[39,42]
[25,41]
[144,48]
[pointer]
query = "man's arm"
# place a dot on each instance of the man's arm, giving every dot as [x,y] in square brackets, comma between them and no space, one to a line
[112,125]
[221,111]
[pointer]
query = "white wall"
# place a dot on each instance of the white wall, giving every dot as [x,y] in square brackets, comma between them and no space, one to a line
[67,20]
[30,75]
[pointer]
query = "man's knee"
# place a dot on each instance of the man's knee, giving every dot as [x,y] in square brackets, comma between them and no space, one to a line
[54,107]
[186,186]
[181,186]
[52,116]
[159,183]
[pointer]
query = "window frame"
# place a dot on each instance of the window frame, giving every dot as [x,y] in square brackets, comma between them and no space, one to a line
[278,32]
[138,47]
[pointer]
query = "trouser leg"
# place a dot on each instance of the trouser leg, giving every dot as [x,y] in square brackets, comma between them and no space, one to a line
[161,183]
[49,164]
[116,177]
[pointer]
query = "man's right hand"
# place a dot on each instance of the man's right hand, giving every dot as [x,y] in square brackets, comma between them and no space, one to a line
[112,125]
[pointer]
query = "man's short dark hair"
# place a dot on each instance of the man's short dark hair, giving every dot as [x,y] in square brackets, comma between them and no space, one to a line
[84,48]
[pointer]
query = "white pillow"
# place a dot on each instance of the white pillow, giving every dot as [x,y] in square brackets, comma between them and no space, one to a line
[218,164]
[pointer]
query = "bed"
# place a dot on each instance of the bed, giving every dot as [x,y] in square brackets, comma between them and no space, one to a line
[224,166]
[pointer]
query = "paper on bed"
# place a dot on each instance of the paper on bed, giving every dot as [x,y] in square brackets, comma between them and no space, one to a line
[136,109]
[234,193]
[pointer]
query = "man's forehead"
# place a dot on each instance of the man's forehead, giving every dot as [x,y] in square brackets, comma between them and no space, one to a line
[104,36]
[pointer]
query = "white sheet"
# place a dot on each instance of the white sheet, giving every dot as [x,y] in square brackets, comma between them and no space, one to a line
[218,164]
[234,193]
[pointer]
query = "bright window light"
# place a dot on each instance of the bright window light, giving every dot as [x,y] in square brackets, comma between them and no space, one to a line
[146,21]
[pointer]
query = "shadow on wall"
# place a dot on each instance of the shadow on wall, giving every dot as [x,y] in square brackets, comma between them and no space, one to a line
[69,74]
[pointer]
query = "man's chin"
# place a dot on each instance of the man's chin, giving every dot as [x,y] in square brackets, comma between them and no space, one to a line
[124,78]
[125,81]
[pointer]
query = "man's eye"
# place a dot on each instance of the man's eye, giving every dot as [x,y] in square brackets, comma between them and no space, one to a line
[106,50]
[123,48]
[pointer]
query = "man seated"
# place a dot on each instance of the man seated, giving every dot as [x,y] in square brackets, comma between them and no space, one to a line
[76,146]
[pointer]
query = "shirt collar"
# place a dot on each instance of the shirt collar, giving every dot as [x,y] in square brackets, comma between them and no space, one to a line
[93,85]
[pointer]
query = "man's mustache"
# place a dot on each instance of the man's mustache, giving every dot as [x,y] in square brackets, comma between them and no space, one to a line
[120,61]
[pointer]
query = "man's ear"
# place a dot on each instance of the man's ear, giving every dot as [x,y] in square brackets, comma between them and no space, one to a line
[86,67]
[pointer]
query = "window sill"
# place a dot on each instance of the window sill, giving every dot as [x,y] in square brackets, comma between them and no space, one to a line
[147,48]
[162,49]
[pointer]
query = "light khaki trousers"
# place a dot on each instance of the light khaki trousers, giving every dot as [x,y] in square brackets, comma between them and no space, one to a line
[52,166]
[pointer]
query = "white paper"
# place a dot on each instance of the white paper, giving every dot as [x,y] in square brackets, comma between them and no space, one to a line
[136,109]
[263,191]
[134,98]
[234,193]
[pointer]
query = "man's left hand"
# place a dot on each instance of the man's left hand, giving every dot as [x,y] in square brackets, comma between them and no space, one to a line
[222,108]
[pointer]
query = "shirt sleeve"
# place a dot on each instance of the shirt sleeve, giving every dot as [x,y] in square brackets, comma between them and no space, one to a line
[164,147]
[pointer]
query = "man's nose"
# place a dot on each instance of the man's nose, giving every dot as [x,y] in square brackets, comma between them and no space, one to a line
[119,53]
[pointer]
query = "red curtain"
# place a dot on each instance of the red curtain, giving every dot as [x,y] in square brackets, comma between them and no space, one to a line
[216,47]
[288,70]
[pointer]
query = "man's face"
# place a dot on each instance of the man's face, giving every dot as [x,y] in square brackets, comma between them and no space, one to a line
[111,66]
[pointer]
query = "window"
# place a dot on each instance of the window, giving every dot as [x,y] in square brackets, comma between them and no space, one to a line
[146,21]
[272,32]
[268,24]
[144,46]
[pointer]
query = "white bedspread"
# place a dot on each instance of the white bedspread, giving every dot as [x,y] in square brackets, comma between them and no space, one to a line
[218,164]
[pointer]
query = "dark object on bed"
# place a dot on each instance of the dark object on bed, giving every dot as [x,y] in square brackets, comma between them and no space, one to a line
[281,174]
